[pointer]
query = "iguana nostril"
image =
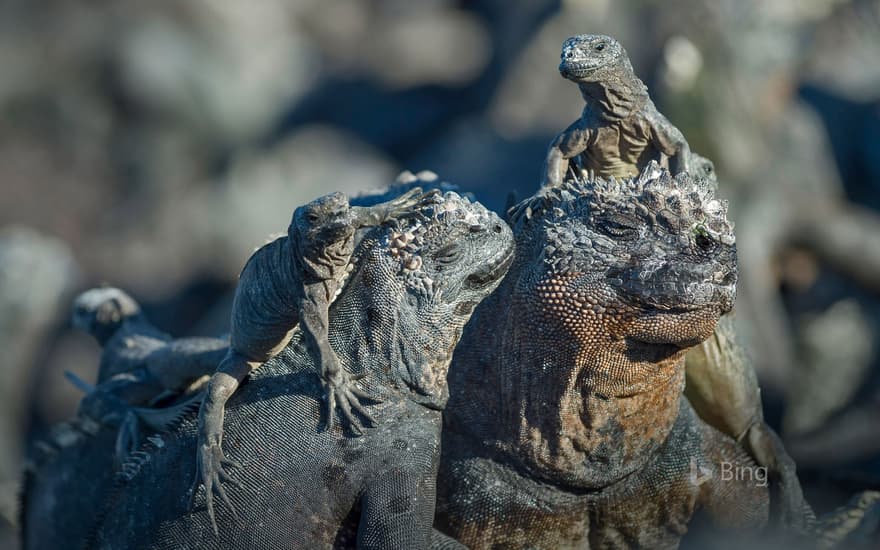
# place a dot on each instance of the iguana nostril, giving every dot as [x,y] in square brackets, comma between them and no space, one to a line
[497,228]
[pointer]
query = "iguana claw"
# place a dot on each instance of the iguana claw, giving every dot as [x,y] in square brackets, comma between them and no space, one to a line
[212,474]
[410,204]
[341,391]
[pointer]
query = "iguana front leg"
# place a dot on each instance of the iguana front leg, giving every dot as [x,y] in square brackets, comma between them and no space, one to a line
[568,144]
[338,384]
[723,389]
[210,460]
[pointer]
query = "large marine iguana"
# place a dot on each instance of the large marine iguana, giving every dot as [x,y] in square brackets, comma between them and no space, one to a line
[289,283]
[566,425]
[398,318]
[585,438]
[618,133]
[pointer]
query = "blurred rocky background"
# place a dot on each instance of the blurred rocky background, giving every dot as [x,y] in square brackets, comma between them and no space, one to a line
[154,145]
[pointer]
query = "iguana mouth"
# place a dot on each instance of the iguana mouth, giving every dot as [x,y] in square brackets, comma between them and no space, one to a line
[492,272]
[581,69]
[678,297]
[671,331]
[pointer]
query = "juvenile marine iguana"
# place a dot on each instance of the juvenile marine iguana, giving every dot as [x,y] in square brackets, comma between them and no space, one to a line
[398,319]
[620,129]
[145,378]
[289,283]
[141,367]
[567,425]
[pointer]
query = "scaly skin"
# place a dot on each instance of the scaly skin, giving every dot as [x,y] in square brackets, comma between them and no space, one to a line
[397,319]
[290,283]
[141,367]
[567,425]
[619,132]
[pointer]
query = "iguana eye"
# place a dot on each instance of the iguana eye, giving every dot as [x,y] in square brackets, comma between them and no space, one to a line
[600,46]
[448,255]
[620,227]
[312,217]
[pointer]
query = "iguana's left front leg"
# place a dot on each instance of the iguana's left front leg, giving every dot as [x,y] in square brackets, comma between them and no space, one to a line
[338,384]
[723,389]
[671,142]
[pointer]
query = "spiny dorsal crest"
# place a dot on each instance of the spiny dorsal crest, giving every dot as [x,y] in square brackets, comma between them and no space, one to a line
[654,196]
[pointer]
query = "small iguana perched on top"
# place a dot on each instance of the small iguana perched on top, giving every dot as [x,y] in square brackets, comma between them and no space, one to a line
[620,129]
[290,283]
[398,318]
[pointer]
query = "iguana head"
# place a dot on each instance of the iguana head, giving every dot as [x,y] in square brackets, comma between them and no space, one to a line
[101,311]
[322,221]
[647,265]
[422,280]
[593,58]
[704,168]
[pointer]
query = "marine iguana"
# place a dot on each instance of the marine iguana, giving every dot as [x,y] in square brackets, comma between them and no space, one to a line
[141,367]
[620,129]
[567,425]
[398,318]
[145,379]
[290,282]
[131,343]
[619,132]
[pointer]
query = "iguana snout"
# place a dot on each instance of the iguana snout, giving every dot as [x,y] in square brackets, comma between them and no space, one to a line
[683,281]
[325,219]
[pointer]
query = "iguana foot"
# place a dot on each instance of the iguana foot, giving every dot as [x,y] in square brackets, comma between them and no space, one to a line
[768,451]
[211,473]
[341,391]
[128,436]
[410,204]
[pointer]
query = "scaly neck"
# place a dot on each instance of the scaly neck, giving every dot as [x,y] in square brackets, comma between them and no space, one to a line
[615,99]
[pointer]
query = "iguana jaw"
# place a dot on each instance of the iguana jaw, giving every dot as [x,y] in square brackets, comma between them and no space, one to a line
[492,271]
[577,72]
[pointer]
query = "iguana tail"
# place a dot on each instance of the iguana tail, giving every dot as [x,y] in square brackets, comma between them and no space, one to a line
[854,525]
[165,418]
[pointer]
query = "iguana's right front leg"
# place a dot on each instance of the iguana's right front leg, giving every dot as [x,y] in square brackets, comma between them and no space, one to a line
[338,384]
[568,144]
[210,460]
